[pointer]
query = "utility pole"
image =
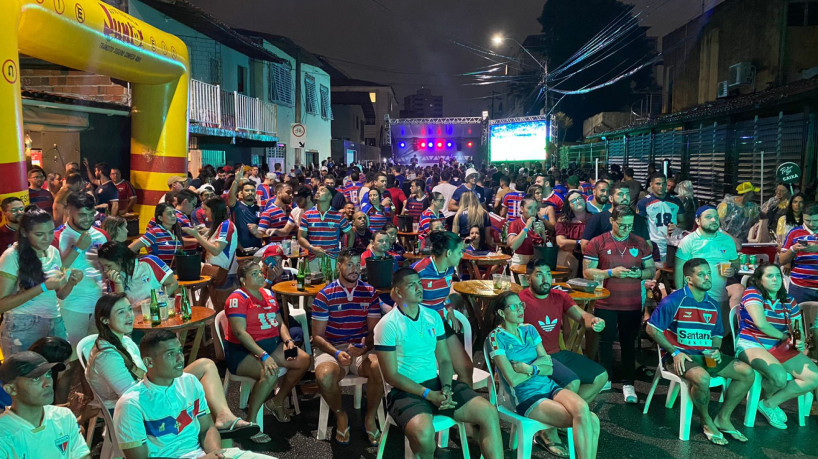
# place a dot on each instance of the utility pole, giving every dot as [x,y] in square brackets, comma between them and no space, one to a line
[297,99]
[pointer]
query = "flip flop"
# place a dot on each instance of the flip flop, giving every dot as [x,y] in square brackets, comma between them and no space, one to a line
[374,438]
[716,439]
[738,436]
[260,438]
[344,434]
[236,431]
[554,449]
[280,417]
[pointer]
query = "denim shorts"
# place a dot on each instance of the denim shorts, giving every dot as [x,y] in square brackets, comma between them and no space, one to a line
[19,331]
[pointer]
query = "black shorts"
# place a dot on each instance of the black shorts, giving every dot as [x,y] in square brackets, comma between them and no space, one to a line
[403,406]
[570,366]
[235,353]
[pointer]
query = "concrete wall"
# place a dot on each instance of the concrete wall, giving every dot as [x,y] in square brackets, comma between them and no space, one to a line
[348,122]
[319,129]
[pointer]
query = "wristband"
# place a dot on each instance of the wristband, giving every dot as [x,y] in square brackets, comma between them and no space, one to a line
[78,250]
[525,230]
[675,353]
[610,273]
[264,356]
[336,354]
[42,286]
[536,370]
[426,392]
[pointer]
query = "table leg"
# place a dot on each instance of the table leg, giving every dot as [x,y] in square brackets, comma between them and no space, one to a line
[473,316]
[182,335]
[577,330]
[197,341]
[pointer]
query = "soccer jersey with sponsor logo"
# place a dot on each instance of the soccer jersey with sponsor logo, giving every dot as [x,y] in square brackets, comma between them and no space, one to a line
[413,340]
[84,296]
[659,213]
[717,249]
[523,349]
[778,314]
[346,311]
[351,193]
[57,437]
[324,230]
[513,201]
[426,219]
[688,324]
[805,264]
[149,273]
[126,191]
[165,419]
[415,207]
[162,243]
[259,314]
[626,293]
[436,285]
[227,234]
[546,315]
[273,217]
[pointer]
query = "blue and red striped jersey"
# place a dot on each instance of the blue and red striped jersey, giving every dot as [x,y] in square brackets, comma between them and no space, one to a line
[184,222]
[426,218]
[512,201]
[415,207]
[378,218]
[161,242]
[273,217]
[346,312]
[778,314]
[436,284]
[323,229]
[805,264]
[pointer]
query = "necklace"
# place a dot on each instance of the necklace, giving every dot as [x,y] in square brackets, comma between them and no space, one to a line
[616,246]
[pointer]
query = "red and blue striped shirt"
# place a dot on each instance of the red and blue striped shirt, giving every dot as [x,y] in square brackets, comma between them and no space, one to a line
[777,314]
[378,218]
[273,217]
[415,207]
[805,264]
[322,229]
[426,218]
[263,194]
[161,242]
[346,312]
[351,192]
[184,222]
[512,201]
[436,284]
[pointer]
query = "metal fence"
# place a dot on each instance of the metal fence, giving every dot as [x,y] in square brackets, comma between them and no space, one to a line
[205,104]
[714,156]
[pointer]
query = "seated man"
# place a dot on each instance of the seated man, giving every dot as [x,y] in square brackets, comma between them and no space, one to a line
[686,325]
[545,309]
[411,346]
[379,248]
[344,316]
[32,427]
[166,414]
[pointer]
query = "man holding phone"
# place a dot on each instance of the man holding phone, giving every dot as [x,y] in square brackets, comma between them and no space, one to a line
[344,316]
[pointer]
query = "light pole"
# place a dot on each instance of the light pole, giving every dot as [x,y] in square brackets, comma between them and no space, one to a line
[498,40]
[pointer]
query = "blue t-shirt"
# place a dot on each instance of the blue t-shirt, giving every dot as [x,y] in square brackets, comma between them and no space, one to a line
[478,190]
[242,215]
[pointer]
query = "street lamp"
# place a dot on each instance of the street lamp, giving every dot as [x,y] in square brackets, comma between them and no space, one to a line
[498,40]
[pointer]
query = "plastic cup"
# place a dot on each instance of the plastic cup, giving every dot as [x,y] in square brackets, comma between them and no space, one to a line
[599,279]
[723,267]
[499,281]
[415,227]
[708,359]
[146,311]
[163,313]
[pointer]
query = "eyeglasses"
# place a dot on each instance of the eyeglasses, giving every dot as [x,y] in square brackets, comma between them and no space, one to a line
[623,226]
[517,306]
[577,201]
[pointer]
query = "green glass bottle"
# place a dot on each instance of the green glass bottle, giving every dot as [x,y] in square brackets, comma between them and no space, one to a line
[187,311]
[156,319]
[301,277]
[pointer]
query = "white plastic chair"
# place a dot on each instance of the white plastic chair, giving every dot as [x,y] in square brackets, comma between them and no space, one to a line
[299,313]
[479,377]
[110,443]
[440,424]
[679,384]
[804,401]
[246,382]
[523,429]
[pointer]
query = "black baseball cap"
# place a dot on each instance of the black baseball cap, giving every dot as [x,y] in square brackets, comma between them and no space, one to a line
[28,364]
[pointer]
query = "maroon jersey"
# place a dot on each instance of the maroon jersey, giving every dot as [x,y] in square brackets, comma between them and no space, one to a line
[626,293]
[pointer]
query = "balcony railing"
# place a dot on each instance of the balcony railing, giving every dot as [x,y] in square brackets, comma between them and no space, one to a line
[214,107]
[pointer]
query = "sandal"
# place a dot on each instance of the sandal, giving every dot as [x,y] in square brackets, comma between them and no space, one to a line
[261,437]
[716,439]
[374,438]
[555,449]
[236,431]
[344,435]
[738,436]
[278,412]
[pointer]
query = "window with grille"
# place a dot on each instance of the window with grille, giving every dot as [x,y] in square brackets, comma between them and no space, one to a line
[278,151]
[213,157]
[325,110]
[280,83]
[309,95]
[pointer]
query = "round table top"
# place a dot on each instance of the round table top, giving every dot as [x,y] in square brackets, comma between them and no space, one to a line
[576,295]
[289,288]
[560,271]
[407,233]
[481,288]
[492,258]
[199,315]
[303,253]
[202,280]
[415,256]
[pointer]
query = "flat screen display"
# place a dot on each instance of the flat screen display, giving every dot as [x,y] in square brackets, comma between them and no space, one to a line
[523,141]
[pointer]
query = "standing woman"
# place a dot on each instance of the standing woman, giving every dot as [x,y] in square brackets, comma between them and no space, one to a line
[433,212]
[219,243]
[31,281]
[546,212]
[471,213]
[793,216]
[255,341]
[379,211]
[623,260]
[134,277]
[164,239]
[570,226]
[767,318]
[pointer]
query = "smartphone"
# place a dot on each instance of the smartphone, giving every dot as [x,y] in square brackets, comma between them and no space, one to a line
[291,354]
[358,345]
[270,261]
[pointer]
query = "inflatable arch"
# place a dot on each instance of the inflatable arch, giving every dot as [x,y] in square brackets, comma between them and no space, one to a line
[93,36]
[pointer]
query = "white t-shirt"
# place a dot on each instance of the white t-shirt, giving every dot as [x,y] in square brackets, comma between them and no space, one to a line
[149,273]
[44,304]
[413,341]
[227,234]
[447,189]
[719,249]
[107,372]
[84,296]
[164,418]
[57,437]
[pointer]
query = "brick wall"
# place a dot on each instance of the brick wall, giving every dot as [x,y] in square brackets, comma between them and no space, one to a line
[72,83]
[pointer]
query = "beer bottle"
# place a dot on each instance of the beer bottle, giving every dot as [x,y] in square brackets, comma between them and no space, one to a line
[301,277]
[156,319]
[186,309]
[796,332]
[504,233]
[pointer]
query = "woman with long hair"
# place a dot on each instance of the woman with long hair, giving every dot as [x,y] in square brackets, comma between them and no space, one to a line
[31,283]
[471,213]
[766,321]
[115,364]
[546,212]
[433,212]
[570,226]
[256,340]
[378,210]
[793,216]
[134,277]
[163,239]
[115,227]
[518,353]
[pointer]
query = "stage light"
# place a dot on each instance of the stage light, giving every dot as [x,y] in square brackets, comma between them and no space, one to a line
[422,144]
[440,145]
[402,144]
[448,145]
[430,145]
[469,144]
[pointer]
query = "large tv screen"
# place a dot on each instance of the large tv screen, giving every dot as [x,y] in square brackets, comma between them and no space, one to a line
[523,141]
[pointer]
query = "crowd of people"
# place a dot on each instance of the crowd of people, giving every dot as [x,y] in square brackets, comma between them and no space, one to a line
[69,270]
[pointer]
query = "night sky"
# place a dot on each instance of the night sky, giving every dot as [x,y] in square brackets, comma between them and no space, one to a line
[409,44]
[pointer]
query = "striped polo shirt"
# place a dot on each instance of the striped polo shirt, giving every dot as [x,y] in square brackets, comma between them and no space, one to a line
[805,264]
[777,314]
[426,218]
[512,201]
[273,217]
[415,207]
[688,324]
[161,242]
[184,222]
[346,312]
[436,285]
[378,218]
[322,229]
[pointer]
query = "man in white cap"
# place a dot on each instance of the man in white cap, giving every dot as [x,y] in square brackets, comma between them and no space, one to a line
[175,183]
[739,213]
[469,184]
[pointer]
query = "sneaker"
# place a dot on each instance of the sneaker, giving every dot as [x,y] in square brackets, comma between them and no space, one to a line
[630,394]
[607,386]
[771,415]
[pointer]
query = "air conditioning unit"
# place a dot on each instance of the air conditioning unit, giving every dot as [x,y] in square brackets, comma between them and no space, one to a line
[742,73]
[722,90]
